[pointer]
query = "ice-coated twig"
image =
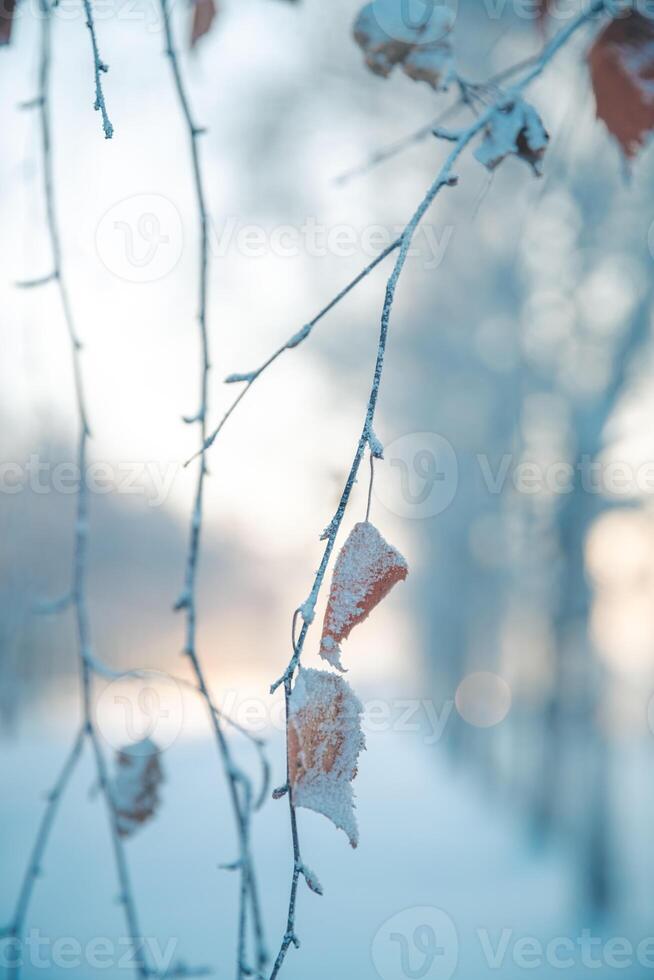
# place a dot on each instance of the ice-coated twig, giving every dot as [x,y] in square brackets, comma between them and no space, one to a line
[77,596]
[99,69]
[469,91]
[445,178]
[293,341]
[239,787]
[15,930]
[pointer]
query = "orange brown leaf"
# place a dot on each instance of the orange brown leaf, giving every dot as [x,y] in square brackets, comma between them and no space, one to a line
[324,742]
[135,789]
[204,13]
[621,65]
[366,570]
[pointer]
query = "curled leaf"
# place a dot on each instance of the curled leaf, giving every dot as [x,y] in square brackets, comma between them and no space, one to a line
[389,34]
[366,570]
[621,65]
[514,129]
[135,789]
[324,742]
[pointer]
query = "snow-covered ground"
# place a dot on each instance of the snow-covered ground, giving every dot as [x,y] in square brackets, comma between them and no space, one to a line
[430,841]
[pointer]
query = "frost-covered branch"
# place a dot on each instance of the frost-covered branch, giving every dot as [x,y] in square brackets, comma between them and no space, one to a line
[77,596]
[293,341]
[470,94]
[239,785]
[446,178]
[34,868]
[466,91]
[99,69]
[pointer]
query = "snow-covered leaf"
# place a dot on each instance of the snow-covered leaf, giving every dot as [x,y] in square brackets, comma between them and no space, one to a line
[135,789]
[204,12]
[514,129]
[621,65]
[324,742]
[366,570]
[389,34]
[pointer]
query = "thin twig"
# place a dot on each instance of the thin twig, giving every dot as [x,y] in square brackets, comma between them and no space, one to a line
[99,69]
[293,341]
[249,377]
[239,786]
[444,179]
[34,867]
[391,150]
[371,485]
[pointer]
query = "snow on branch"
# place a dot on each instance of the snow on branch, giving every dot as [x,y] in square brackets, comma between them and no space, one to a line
[483,124]
[242,797]
[99,69]
[76,599]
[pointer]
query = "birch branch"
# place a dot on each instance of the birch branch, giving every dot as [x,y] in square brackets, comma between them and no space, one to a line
[239,786]
[445,178]
[470,92]
[77,598]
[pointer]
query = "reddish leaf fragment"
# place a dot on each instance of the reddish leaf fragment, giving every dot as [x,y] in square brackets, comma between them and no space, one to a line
[136,785]
[390,35]
[621,65]
[514,129]
[324,742]
[204,12]
[7,10]
[366,570]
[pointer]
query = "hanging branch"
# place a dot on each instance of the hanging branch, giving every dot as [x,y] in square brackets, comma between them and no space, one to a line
[239,785]
[485,94]
[99,69]
[77,597]
[445,178]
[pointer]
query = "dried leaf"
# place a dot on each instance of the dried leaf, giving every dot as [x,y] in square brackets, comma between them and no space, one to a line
[204,12]
[136,785]
[515,129]
[366,570]
[389,36]
[324,742]
[7,10]
[621,65]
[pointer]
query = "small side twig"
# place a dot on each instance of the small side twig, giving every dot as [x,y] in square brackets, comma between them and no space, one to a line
[293,341]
